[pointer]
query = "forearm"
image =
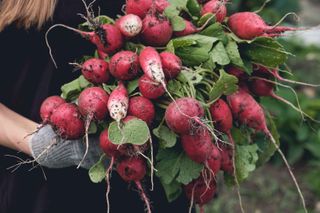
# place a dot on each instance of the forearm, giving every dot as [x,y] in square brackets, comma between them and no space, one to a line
[14,129]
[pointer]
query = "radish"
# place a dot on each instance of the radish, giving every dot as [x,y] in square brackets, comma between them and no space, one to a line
[48,106]
[95,70]
[124,65]
[138,7]
[129,25]
[150,62]
[247,111]
[216,7]
[106,37]
[183,115]
[239,73]
[197,146]
[142,108]
[118,103]
[156,29]
[171,64]
[249,25]
[66,119]
[149,88]
[92,104]
[161,5]
[227,160]
[199,192]
[188,30]
[134,169]
[213,162]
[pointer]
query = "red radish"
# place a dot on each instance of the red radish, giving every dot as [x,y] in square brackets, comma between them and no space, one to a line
[142,108]
[95,70]
[247,111]
[149,88]
[124,65]
[138,7]
[134,169]
[239,73]
[227,160]
[221,115]
[106,37]
[171,64]
[156,29]
[150,62]
[67,120]
[214,160]
[197,146]
[93,103]
[217,7]
[199,192]
[118,103]
[107,146]
[102,55]
[183,115]
[249,25]
[48,106]
[188,30]
[161,5]
[129,25]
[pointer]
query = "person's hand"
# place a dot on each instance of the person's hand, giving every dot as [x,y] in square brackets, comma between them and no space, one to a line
[50,150]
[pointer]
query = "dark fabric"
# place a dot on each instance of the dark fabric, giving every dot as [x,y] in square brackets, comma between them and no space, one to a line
[27,78]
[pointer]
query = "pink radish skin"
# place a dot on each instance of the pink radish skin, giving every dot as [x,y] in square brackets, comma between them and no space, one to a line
[48,106]
[249,25]
[93,103]
[150,62]
[142,108]
[182,115]
[118,103]
[138,7]
[156,29]
[149,88]
[161,5]
[216,7]
[95,70]
[214,160]
[197,146]
[247,111]
[67,120]
[171,64]
[199,190]
[102,55]
[226,160]
[124,65]
[129,25]
[221,115]
[107,146]
[239,73]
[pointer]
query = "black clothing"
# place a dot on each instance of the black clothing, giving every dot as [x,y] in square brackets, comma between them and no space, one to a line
[28,76]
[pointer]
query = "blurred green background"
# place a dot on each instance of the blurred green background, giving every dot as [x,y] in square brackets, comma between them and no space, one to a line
[270,189]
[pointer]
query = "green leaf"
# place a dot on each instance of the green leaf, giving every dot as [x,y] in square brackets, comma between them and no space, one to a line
[219,54]
[132,86]
[100,19]
[174,165]
[194,8]
[194,55]
[226,85]
[192,77]
[133,47]
[172,190]
[97,172]
[266,147]
[234,54]
[93,128]
[215,30]
[84,83]
[108,88]
[266,51]
[178,23]
[71,90]
[205,18]
[246,158]
[135,131]
[167,138]
[179,4]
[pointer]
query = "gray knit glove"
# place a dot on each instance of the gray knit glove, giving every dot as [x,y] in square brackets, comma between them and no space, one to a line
[50,150]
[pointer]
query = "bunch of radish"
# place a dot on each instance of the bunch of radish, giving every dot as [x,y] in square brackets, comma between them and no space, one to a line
[141,71]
